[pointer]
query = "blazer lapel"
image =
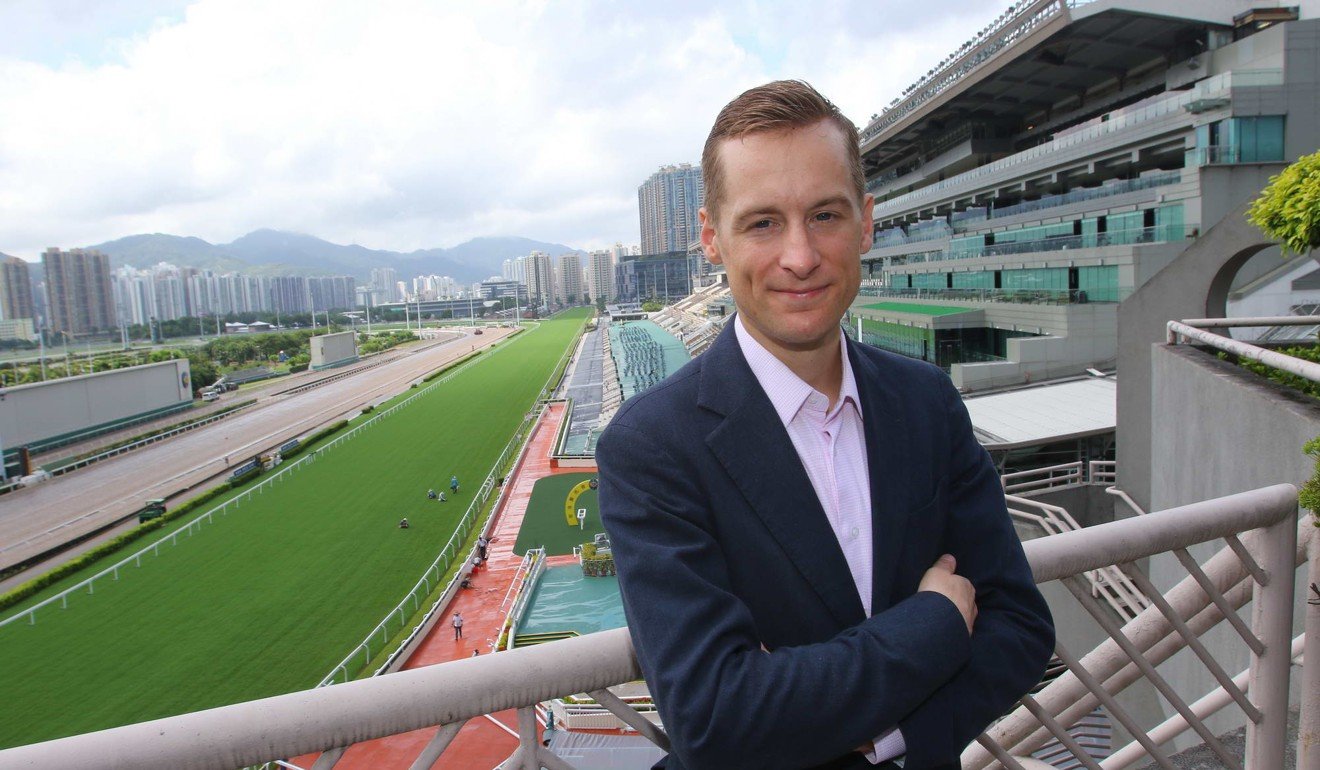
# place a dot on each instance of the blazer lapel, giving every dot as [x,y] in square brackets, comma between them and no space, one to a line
[885,433]
[755,450]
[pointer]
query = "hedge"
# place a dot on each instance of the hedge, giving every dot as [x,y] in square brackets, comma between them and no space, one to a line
[315,437]
[451,365]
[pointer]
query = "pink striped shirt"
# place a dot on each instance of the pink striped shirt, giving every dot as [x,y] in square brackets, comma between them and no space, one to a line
[831,443]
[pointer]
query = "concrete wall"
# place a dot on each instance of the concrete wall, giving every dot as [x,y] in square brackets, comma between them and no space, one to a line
[1254,439]
[1082,336]
[45,410]
[331,349]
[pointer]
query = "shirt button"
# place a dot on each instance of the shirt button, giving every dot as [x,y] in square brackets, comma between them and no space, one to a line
[854,533]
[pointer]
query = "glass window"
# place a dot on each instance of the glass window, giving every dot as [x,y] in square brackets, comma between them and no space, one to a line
[1100,283]
[978,280]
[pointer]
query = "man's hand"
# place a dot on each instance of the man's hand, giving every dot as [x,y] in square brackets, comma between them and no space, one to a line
[941,579]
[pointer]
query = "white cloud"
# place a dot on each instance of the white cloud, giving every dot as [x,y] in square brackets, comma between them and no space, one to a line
[406,124]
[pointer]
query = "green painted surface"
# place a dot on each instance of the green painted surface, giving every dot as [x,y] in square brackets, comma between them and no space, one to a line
[268,598]
[904,307]
[545,524]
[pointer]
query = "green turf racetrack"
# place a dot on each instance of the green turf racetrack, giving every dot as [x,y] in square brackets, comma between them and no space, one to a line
[545,524]
[270,597]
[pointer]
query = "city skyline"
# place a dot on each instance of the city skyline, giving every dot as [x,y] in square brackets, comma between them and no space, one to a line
[405,132]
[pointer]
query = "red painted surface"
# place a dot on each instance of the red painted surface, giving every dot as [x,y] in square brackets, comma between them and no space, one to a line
[480,745]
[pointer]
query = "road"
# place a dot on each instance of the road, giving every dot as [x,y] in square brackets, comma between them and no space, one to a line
[38,518]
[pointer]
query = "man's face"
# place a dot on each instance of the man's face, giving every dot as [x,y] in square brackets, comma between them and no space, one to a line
[789,233]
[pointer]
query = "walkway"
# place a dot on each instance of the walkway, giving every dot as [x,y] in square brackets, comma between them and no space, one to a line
[481,744]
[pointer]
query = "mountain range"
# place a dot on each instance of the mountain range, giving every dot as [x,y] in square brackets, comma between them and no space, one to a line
[272,252]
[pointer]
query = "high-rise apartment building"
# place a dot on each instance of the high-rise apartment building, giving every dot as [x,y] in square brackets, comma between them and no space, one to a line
[331,292]
[540,278]
[288,294]
[78,291]
[385,284]
[668,203]
[15,290]
[600,275]
[568,279]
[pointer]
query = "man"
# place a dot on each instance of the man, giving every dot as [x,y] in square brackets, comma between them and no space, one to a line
[814,555]
[457,623]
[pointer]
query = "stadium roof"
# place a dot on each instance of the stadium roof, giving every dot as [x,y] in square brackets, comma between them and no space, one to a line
[1037,57]
[1045,414]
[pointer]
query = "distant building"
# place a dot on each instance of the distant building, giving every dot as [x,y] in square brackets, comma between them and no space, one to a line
[332,292]
[662,277]
[17,329]
[289,294]
[540,278]
[600,275]
[15,290]
[78,290]
[668,203]
[568,279]
[384,285]
[499,288]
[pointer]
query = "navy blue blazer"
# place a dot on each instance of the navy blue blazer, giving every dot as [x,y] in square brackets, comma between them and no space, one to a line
[722,547]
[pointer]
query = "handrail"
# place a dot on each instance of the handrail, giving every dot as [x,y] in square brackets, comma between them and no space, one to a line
[1177,332]
[335,717]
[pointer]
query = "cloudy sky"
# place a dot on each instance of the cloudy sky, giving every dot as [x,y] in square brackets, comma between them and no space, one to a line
[404,124]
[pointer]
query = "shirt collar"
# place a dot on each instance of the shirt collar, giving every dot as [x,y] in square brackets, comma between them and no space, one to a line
[787,391]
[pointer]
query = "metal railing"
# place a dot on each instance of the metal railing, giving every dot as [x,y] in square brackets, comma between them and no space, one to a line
[148,440]
[1010,296]
[509,628]
[1258,563]
[1109,583]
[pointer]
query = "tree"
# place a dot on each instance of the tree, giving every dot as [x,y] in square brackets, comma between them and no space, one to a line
[1288,209]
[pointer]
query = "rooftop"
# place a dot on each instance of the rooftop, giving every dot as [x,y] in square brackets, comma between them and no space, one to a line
[1044,414]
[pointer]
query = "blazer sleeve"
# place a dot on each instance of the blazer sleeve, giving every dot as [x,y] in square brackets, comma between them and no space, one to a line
[726,702]
[1014,633]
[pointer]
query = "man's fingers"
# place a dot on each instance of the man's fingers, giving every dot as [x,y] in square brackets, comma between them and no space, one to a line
[947,562]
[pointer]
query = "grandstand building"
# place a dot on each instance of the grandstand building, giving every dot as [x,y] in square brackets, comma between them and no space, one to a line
[1050,166]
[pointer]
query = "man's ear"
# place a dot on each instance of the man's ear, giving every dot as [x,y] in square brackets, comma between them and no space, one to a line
[708,242]
[868,229]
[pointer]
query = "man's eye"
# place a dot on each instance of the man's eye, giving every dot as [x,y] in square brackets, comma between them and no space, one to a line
[760,224]
[824,216]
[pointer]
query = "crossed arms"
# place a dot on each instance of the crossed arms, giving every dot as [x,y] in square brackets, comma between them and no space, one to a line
[699,630]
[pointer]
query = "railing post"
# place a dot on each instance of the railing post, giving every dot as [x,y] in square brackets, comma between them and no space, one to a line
[1308,733]
[1272,618]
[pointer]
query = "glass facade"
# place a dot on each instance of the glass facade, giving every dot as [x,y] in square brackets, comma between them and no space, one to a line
[942,347]
[1248,139]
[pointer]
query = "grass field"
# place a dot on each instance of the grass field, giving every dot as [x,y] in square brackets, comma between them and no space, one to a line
[273,595]
[545,523]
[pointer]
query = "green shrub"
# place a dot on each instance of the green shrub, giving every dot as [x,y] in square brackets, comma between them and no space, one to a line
[315,437]
[451,366]
[1288,209]
[1310,494]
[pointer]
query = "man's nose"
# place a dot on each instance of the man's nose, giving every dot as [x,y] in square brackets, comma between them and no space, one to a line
[799,254]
